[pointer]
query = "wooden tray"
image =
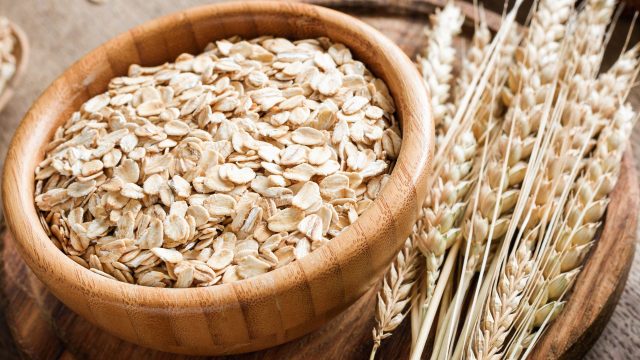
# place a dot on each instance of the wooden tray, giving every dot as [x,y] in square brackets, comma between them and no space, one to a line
[43,328]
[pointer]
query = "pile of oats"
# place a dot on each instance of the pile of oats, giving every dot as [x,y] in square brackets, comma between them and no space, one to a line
[7,58]
[220,166]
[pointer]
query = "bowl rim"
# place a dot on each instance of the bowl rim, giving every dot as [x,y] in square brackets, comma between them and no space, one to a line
[39,251]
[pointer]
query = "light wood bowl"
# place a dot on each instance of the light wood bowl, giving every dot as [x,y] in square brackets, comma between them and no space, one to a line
[250,314]
[21,53]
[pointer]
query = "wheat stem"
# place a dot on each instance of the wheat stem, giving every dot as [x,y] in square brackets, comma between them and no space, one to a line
[427,321]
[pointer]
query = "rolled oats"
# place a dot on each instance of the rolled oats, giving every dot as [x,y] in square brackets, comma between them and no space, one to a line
[220,166]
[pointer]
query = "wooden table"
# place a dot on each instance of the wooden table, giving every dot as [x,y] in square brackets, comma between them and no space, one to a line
[63,30]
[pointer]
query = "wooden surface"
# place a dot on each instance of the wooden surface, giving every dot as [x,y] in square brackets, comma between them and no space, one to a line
[265,310]
[620,339]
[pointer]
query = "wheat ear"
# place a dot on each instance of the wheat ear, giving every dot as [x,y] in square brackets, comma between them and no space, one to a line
[436,63]
[508,163]
[592,122]
[589,197]
[538,201]
[613,86]
[465,113]
[439,228]
[531,80]
[603,162]
[500,312]
[532,75]
[582,216]
[394,295]
[489,108]
[474,56]
[501,308]
[586,42]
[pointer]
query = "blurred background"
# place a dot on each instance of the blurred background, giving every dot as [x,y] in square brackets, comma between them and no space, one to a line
[61,31]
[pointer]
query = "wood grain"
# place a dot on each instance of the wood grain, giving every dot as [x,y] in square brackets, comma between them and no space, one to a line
[69,334]
[39,311]
[266,310]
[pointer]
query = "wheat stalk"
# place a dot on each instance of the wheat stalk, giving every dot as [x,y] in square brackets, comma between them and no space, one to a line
[474,56]
[599,164]
[532,77]
[613,86]
[586,43]
[503,301]
[510,158]
[464,112]
[489,108]
[558,175]
[500,312]
[439,229]
[436,63]
[543,130]
[582,216]
[573,238]
[394,294]
[503,203]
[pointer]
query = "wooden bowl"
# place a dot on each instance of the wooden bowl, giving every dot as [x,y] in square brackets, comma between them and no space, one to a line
[21,53]
[258,312]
